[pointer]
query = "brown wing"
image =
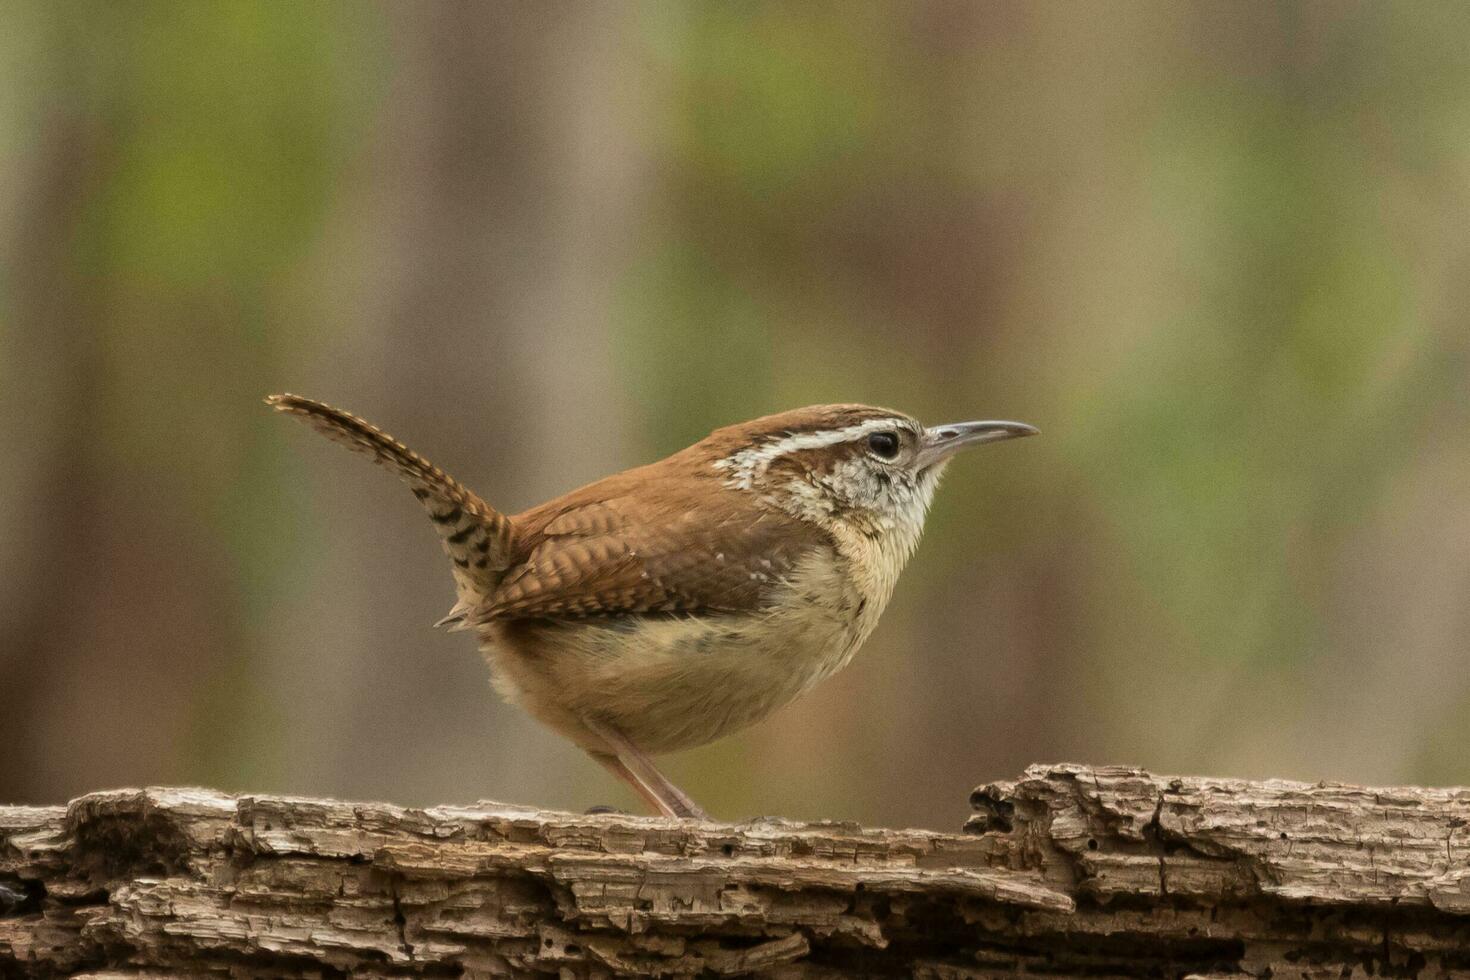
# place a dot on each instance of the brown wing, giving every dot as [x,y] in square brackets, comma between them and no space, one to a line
[621,556]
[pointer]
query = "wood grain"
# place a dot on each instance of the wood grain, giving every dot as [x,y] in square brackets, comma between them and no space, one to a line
[1067,871]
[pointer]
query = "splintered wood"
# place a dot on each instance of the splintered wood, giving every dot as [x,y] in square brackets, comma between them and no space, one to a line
[1069,871]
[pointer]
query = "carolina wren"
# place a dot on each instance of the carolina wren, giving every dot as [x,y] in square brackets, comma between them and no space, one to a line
[668,605]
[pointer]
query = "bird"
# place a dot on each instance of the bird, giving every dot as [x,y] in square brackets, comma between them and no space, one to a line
[677,602]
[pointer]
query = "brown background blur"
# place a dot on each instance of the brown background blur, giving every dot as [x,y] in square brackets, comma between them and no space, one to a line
[1217,252]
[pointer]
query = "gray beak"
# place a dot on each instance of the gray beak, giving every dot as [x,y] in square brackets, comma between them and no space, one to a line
[943,441]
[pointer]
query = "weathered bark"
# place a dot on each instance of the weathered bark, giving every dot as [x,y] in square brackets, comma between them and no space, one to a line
[1067,871]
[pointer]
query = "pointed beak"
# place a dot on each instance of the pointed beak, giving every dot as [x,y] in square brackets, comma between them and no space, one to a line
[943,441]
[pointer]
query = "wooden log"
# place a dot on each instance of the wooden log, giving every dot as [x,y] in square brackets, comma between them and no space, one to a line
[1067,871]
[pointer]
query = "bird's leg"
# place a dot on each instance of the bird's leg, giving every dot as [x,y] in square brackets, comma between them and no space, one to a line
[629,764]
[615,766]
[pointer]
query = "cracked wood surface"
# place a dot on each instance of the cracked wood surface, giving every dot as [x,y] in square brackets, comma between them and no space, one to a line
[1067,871]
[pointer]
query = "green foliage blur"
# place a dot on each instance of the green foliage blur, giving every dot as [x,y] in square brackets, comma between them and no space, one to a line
[1216,252]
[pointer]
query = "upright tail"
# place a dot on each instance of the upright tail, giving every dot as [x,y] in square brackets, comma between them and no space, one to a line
[476,536]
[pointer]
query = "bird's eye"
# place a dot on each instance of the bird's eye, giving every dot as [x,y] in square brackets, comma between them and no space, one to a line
[884,444]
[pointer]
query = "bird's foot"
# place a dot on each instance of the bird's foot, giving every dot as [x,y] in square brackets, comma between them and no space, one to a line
[603,808]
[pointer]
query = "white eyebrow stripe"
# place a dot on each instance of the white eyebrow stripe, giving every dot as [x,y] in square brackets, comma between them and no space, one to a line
[745,466]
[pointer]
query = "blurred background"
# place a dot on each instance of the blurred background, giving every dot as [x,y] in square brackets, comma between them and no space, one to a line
[1216,252]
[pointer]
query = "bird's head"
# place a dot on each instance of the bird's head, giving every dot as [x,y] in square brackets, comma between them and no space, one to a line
[872,468]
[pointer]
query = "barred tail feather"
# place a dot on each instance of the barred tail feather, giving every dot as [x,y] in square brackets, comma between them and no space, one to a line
[477,537]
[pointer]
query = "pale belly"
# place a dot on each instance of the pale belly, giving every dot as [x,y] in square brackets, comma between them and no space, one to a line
[679,682]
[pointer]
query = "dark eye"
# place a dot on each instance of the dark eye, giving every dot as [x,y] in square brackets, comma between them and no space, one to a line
[884,444]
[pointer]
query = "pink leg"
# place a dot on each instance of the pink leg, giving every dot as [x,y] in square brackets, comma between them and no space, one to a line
[612,764]
[636,769]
